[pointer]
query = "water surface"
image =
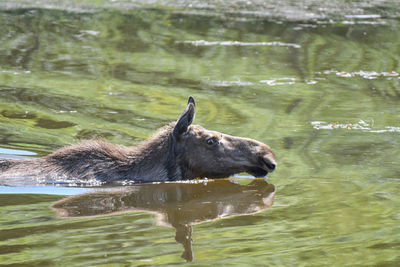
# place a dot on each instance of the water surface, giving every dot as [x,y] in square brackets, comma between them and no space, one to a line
[322,90]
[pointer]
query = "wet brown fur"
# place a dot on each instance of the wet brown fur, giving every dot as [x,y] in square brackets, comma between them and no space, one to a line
[178,151]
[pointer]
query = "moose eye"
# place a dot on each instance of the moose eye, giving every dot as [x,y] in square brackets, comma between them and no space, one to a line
[212,141]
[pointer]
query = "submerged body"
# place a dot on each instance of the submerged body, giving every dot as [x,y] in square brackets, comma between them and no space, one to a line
[178,151]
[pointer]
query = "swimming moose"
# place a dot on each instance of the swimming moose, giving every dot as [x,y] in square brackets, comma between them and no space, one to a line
[178,151]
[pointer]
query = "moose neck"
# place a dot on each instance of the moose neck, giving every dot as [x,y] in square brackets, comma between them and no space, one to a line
[155,158]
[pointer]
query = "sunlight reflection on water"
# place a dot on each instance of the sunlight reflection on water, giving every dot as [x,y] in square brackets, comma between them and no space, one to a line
[43,189]
[237,43]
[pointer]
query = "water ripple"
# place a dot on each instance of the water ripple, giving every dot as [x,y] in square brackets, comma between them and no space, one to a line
[361,125]
[280,81]
[237,43]
[270,82]
[370,75]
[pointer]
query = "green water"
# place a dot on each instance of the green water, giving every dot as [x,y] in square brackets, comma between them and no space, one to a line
[322,91]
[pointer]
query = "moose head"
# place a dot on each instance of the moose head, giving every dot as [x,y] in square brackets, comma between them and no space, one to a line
[206,153]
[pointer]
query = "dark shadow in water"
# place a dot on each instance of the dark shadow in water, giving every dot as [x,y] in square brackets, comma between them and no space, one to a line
[179,205]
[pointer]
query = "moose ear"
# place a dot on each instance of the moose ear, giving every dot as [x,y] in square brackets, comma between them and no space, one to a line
[186,118]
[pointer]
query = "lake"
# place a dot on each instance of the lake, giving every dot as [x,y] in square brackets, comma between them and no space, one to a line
[319,84]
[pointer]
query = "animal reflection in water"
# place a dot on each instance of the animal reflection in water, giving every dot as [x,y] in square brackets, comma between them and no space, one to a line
[179,205]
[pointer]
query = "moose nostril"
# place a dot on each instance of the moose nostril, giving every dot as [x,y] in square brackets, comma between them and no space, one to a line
[270,165]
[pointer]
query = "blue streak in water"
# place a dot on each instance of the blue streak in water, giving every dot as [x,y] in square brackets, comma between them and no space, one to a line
[9,151]
[43,190]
